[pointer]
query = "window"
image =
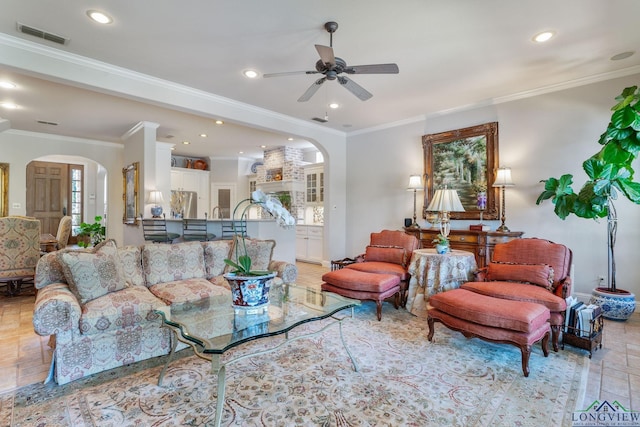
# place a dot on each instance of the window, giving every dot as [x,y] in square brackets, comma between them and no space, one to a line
[76,173]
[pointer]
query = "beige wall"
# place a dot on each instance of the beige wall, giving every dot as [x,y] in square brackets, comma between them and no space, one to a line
[539,137]
[19,148]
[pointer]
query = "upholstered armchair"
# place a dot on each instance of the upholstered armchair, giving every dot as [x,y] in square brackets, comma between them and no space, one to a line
[64,232]
[19,251]
[389,252]
[531,270]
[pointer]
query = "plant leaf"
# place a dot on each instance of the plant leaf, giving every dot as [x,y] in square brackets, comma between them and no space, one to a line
[630,189]
[245,262]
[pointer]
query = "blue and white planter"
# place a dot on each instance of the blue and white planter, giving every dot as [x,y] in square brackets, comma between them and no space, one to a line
[615,306]
[250,294]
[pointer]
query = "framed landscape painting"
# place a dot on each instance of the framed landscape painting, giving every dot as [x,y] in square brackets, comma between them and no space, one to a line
[465,160]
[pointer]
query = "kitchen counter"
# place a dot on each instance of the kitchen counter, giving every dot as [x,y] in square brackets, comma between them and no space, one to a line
[285,249]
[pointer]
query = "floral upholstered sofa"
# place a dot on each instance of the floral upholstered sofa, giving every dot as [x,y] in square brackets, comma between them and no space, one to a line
[98,305]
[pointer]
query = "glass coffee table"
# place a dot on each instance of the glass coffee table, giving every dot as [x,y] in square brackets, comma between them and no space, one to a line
[212,326]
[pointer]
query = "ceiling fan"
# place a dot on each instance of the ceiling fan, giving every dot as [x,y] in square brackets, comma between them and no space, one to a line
[332,66]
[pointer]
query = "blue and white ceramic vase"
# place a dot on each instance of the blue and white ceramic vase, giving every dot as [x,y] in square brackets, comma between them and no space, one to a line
[442,249]
[615,305]
[250,293]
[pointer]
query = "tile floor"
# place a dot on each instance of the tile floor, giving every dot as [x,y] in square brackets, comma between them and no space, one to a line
[614,372]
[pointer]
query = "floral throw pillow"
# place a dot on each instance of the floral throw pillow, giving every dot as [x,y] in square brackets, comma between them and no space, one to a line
[92,274]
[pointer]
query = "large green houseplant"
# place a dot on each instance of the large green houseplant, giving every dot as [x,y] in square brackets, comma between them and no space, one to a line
[610,173]
[91,234]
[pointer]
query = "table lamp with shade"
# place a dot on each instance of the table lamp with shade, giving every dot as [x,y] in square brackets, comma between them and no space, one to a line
[156,199]
[503,180]
[445,201]
[415,185]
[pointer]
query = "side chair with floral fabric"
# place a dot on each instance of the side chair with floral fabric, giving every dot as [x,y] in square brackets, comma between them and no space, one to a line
[19,251]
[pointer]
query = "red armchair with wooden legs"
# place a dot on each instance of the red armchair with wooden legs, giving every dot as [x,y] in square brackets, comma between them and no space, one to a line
[530,270]
[389,252]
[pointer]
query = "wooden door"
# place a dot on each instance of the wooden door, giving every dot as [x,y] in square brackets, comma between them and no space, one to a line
[47,193]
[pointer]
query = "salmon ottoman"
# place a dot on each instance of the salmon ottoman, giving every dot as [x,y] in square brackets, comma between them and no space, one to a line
[363,286]
[492,319]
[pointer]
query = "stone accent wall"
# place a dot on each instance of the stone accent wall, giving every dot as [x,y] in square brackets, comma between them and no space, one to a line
[284,164]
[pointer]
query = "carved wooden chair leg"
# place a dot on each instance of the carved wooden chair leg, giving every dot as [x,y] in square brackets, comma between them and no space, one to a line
[379,309]
[526,352]
[555,336]
[431,328]
[545,345]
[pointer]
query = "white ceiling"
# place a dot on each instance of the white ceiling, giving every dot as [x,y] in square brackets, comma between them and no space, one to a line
[451,55]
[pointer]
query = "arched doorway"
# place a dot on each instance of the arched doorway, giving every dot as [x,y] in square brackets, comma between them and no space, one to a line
[65,185]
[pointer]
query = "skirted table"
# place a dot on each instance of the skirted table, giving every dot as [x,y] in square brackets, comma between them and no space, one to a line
[432,273]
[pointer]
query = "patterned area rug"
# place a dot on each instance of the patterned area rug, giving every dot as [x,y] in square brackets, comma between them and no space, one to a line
[403,381]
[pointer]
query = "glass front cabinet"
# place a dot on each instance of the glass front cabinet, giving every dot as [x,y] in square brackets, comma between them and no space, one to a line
[314,181]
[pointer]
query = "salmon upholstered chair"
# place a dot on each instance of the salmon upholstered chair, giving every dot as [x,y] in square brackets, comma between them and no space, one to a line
[389,252]
[19,251]
[531,270]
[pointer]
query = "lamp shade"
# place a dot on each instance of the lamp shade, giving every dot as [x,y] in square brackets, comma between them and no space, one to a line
[503,178]
[155,197]
[445,200]
[415,182]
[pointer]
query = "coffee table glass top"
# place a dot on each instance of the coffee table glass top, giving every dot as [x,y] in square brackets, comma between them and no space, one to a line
[213,326]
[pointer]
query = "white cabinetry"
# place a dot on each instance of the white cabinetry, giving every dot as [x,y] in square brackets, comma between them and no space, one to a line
[193,180]
[309,243]
[314,184]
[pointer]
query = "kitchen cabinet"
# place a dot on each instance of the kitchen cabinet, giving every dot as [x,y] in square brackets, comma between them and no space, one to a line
[314,184]
[309,243]
[183,179]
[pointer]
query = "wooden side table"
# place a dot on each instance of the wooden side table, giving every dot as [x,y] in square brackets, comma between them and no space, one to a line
[481,243]
[48,243]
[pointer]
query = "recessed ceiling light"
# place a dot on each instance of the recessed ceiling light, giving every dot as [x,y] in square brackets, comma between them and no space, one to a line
[203,135]
[250,74]
[99,17]
[240,152]
[334,105]
[219,122]
[289,139]
[186,142]
[263,146]
[7,85]
[543,36]
[9,105]
[623,55]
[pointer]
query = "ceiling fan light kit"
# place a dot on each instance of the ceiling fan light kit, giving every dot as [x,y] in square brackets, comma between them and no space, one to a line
[332,67]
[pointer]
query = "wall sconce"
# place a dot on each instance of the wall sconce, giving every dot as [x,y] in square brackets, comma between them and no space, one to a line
[415,184]
[445,201]
[503,180]
[155,198]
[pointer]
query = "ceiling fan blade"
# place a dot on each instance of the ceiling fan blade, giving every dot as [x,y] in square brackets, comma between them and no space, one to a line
[312,90]
[354,88]
[326,54]
[289,73]
[373,69]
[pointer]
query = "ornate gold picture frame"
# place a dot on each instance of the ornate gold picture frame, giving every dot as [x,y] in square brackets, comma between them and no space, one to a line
[465,160]
[4,189]
[130,193]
